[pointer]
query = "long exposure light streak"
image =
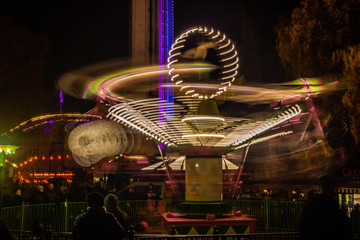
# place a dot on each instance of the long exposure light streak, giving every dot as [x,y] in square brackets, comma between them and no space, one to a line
[202,118]
[203,135]
[280,118]
[116,85]
[263,139]
[195,130]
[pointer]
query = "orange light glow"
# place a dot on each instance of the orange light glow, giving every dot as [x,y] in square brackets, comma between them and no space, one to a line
[21,165]
[67,155]
[36,157]
[30,160]
[6,160]
[25,162]
[51,157]
[59,157]
[43,158]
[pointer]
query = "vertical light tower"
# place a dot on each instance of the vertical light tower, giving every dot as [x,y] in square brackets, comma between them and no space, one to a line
[152,33]
[165,39]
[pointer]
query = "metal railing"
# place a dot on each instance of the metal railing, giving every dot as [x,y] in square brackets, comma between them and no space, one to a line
[61,216]
[280,215]
[268,214]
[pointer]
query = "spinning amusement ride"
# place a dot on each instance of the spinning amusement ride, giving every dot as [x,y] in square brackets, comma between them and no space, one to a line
[202,69]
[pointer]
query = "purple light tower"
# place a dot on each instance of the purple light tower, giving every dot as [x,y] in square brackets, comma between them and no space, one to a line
[166,37]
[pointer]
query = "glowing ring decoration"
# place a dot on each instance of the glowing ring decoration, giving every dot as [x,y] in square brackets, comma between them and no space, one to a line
[227,59]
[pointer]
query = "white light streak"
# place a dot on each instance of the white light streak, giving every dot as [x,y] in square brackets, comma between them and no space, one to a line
[202,118]
[225,45]
[232,48]
[204,135]
[259,140]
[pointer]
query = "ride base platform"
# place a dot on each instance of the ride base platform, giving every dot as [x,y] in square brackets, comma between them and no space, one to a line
[227,224]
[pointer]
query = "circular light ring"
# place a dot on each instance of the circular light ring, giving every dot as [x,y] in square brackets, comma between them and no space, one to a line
[226,52]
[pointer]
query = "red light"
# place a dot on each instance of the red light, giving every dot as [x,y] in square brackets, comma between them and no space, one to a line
[124,156]
[43,158]
[36,157]
[25,162]
[51,157]
[67,155]
[30,160]
[59,157]
[21,165]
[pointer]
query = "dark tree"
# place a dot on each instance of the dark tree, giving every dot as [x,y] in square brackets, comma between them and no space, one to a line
[322,38]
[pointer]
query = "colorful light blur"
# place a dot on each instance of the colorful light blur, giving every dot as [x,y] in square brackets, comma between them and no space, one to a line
[118,85]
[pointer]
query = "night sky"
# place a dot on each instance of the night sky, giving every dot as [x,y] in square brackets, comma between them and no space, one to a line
[92,31]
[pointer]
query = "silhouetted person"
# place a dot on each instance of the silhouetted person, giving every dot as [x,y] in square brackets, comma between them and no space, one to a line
[322,217]
[96,223]
[150,189]
[5,233]
[64,193]
[16,198]
[150,202]
[39,196]
[130,194]
[51,193]
[112,206]
[111,189]
[355,218]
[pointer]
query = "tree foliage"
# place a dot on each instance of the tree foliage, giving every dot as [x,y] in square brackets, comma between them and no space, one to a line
[322,38]
[307,42]
[351,99]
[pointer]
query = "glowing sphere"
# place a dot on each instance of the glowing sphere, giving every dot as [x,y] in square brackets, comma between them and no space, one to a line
[93,141]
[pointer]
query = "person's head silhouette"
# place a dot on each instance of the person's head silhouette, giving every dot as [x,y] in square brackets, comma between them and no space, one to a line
[95,200]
